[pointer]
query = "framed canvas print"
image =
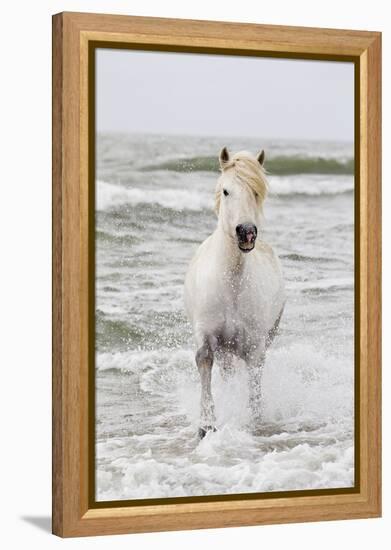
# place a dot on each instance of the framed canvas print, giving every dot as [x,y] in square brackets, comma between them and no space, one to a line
[216,274]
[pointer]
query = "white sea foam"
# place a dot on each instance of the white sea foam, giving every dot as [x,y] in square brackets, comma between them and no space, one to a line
[111,195]
[313,185]
[206,469]
[305,442]
[300,383]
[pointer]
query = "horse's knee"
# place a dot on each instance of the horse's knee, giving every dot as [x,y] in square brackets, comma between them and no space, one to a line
[204,356]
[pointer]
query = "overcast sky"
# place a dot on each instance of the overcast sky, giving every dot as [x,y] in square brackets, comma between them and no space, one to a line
[159,92]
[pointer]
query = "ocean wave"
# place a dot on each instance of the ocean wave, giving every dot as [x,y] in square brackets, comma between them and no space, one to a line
[294,257]
[296,186]
[110,195]
[110,237]
[323,286]
[302,467]
[117,334]
[120,334]
[280,165]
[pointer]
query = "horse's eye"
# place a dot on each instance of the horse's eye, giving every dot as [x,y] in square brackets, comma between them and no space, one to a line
[225,192]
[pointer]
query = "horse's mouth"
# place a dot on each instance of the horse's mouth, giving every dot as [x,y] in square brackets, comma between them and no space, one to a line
[247,247]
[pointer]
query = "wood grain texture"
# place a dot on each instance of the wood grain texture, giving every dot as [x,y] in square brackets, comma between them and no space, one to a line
[72,34]
[67,364]
[224,35]
[57,461]
[373,263]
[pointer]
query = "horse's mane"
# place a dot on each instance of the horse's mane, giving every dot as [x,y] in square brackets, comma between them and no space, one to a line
[248,171]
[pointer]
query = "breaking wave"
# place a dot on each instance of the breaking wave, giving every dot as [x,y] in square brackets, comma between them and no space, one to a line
[280,165]
[110,195]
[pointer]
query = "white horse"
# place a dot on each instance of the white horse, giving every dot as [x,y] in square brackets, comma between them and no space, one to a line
[234,290]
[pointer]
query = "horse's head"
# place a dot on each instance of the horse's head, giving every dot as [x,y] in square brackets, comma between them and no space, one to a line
[240,192]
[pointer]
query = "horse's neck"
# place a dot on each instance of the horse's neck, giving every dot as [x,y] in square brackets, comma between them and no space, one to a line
[231,259]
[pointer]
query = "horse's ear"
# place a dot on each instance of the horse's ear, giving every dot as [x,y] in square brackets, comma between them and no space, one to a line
[261,157]
[224,157]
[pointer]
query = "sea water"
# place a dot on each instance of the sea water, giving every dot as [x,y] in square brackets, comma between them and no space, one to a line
[154,206]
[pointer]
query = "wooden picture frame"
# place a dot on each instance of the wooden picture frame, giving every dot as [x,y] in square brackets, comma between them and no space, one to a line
[75,35]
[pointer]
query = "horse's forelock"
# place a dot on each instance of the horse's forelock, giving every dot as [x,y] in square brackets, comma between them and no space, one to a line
[248,171]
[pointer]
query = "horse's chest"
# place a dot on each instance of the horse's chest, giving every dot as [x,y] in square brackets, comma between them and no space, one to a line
[243,310]
[242,327]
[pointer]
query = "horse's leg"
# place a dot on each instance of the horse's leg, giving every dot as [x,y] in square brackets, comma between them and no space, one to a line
[227,367]
[274,330]
[255,363]
[204,360]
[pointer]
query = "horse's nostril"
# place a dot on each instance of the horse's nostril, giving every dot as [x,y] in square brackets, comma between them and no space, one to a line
[251,229]
[251,236]
[238,228]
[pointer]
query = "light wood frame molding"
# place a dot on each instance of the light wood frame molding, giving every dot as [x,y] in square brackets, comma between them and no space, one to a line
[73,35]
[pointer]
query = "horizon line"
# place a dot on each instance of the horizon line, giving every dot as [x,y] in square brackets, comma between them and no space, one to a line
[226,136]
